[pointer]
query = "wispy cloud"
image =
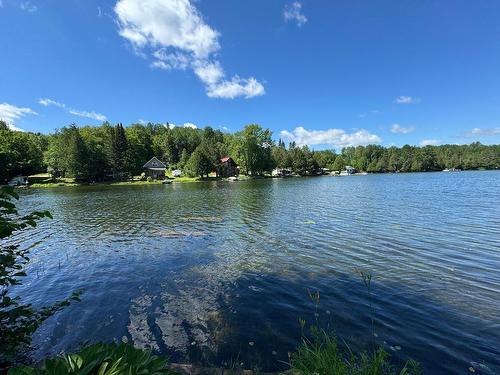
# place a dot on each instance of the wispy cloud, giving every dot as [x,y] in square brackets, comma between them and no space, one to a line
[99,12]
[89,114]
[429,142]
[334,137]
[406,100]
[28,6]
[10,113]
[174,35]
[76,112]
[481,132]
[396,128]
[293,13]
[49,102]
[372,112]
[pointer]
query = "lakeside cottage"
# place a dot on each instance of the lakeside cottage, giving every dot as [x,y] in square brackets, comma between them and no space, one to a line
[155,169]
[228,167]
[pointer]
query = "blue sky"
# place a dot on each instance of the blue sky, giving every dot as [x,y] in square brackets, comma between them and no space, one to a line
[325,73]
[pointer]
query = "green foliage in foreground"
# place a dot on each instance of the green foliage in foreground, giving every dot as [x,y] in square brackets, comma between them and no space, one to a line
[100,359]
[18,321]
[322,355]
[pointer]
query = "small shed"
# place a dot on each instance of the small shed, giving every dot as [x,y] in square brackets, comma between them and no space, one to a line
[155,168]
[228,167]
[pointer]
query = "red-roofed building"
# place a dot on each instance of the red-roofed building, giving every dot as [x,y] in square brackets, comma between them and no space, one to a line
[228,167]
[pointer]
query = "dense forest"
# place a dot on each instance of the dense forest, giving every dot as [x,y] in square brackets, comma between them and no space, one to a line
[107,152]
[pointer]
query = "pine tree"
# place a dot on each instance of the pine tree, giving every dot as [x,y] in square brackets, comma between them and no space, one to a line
[119,154]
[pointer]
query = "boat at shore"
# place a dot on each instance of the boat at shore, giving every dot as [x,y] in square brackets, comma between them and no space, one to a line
[351,171]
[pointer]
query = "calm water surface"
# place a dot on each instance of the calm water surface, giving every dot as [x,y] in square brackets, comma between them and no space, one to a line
[218,273]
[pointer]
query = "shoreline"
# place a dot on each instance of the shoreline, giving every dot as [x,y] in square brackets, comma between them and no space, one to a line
[178,180]
[183,180]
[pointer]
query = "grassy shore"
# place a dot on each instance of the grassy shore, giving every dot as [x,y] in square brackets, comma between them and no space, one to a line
[45,181]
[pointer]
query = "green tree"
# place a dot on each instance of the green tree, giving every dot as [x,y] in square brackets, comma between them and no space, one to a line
[184,159]
[3,125]
[339,163]
[20,154]
[119,152]
[252,148]
[139,147]
[67,155]
[280,156]
[199,164]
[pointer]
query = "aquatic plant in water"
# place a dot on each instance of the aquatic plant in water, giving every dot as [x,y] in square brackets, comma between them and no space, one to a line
[322,355]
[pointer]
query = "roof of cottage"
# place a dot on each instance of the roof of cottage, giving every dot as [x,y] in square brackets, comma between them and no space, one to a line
[155,164]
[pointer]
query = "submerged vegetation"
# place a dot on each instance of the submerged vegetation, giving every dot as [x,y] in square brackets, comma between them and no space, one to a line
[106,152]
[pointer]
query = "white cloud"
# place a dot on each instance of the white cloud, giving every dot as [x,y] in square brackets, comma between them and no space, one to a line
[482,132]
[48,102]
[293,12]
[396,128]
[236,87]
[429,142]
[92,115]
[99,12]
[406,100]
[335,137]
[1,4]
[10,113]
[28,6]
[167,23]
[185,125]
[210,73]
[174,34]
[167,61]
[14,128]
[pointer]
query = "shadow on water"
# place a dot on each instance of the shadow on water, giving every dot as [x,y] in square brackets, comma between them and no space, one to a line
[264,338]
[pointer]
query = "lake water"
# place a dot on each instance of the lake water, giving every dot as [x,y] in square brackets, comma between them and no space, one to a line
[219,273]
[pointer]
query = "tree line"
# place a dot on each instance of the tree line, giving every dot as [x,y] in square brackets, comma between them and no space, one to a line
[115,152]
